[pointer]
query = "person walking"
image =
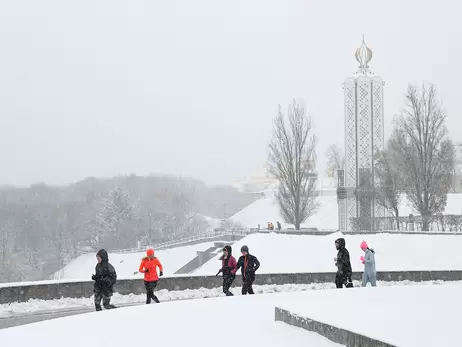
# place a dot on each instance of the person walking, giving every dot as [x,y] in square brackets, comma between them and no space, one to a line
[228,268]
[342,261]
[105,277]
[279,225]
[248,264]
[369,274]
[148,267]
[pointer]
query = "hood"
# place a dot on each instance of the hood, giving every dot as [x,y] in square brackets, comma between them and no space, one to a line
[103,254]
[341,243]
[229,249]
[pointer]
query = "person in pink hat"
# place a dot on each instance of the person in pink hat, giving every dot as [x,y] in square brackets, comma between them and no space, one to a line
[369,274]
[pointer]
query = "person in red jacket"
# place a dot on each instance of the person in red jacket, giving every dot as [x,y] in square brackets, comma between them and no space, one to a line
[228,268]
[148,266]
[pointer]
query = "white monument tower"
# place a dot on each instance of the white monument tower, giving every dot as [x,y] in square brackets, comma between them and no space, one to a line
[364,135]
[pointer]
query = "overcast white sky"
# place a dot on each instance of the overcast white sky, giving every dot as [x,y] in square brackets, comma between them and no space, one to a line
[190,87]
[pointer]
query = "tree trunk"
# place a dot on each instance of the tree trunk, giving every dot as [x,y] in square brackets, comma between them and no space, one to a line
[426,221]
[397,218]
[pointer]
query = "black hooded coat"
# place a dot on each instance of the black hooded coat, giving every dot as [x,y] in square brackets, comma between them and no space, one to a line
[343,260]
[105,275]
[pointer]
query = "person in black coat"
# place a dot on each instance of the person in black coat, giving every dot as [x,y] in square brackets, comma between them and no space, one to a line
[344,272]
[105,277]
[248,264]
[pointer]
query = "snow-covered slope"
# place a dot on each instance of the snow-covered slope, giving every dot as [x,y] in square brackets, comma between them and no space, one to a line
[192,323]
[127,264]
[325,218]
[303,253]
[266,210]
[418,316]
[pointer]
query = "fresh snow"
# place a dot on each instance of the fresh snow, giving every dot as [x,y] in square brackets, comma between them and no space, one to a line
[127,264]
[38,306]
[280,253]
[419,316]
[236,320]
[266,210]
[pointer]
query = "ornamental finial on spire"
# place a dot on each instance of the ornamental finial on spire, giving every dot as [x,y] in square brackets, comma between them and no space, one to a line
[363,56]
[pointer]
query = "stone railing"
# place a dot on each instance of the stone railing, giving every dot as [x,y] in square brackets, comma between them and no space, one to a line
[55,290]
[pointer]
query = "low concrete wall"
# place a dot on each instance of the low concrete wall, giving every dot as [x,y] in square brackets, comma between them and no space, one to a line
[337,335]
[50,291]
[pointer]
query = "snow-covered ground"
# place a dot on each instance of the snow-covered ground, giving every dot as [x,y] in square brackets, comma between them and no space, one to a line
[418,316]
[36,306]
[325,218]
[239,320]
[127,264]
[266,210]
[306,253]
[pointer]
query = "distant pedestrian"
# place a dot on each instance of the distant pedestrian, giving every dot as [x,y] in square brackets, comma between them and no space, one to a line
[248,264]
[105,277]
[369,274]
[279,226]
[148,266]
[228,269]
[342,261]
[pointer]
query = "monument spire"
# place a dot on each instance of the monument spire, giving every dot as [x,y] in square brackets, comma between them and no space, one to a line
[363,56]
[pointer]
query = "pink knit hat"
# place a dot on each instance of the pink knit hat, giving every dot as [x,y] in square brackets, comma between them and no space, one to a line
[364,245]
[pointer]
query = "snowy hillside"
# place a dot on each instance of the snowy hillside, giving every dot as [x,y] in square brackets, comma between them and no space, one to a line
[266,210]
[126,264]
[302,253]
[325,218]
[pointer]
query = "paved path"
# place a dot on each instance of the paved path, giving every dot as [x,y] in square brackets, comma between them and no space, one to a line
[21,319]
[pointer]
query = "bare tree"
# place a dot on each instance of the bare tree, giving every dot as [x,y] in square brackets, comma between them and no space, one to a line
[335,159]
[389,185]
[424,151]
[291,160]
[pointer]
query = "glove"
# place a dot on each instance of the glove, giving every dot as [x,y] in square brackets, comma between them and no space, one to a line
[161,274]
[146,271]
[93,277]
[362,259]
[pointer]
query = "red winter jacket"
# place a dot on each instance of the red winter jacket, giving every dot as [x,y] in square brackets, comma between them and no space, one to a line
[151,265]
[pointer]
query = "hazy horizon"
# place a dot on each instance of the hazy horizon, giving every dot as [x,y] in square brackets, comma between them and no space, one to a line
[99,89]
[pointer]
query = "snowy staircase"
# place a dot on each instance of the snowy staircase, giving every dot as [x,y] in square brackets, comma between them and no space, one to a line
[202,257]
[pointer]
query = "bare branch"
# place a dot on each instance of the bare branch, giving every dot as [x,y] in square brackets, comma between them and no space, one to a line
[424,153]
[291,160]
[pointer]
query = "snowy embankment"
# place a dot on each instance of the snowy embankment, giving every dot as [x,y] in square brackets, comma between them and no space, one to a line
[421,316]
[266,210]
[127,264]
[193,323]
[36,306]
[306,253]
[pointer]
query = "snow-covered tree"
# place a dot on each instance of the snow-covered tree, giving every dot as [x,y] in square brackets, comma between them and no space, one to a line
[110,224]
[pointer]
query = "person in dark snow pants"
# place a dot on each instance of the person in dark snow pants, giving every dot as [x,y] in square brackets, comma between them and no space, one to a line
[369,274]
[105,277]
[342,261]
[228,269]
[248,264]
[148,267]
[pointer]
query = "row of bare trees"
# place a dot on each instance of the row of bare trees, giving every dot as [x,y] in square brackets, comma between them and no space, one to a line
[418,160]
